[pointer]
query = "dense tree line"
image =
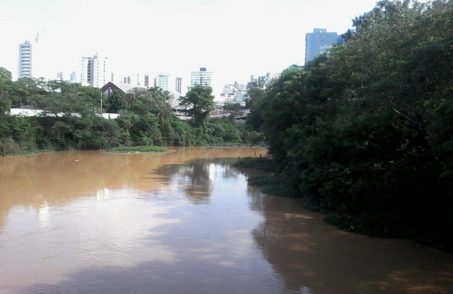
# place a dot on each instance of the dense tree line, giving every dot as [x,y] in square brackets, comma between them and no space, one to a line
[71,118]
[365,133]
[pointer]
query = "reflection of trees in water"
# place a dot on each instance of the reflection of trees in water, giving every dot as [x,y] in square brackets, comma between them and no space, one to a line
[309,254]
[256,198]
[277,237]
[196,176]
[199,183]
[65,176]
[193,176]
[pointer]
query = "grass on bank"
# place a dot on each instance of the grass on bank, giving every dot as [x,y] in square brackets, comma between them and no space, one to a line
[137,149]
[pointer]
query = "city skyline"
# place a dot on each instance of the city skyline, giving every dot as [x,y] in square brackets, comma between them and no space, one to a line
[129,37]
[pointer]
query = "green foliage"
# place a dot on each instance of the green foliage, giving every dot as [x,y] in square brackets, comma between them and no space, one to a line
[198,102]
[259,163]
[5,74]
[233,108]
[365,132]
[5,84]
[137,149]
[223,130]
[76,133]
[9,146]
[186,135]
[115,102]
[140,129]
[71,118]
[254,121]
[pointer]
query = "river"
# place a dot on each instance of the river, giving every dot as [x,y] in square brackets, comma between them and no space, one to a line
[184,221]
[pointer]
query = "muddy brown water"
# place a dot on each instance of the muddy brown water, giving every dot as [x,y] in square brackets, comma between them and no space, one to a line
[184,222]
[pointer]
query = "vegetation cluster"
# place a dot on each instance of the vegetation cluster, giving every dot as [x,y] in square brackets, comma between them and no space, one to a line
[71,118]
[365,133]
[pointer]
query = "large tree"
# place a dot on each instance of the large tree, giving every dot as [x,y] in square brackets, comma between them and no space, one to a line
[364,132]
[198,102]
[5,82]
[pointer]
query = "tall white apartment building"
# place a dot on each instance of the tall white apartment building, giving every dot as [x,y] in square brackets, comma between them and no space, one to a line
[178,85]
[95,71]
[73,78]
[162,82]
[201,78]
[25,60]
[146,81]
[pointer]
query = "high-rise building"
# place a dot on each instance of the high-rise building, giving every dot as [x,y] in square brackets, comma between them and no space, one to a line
[319,42]
[95,71]
[60,76]
[234,93]
[127,80]
[73,77]
[146,81]
[162,82]
[201,78]
[25,60]
[178,85]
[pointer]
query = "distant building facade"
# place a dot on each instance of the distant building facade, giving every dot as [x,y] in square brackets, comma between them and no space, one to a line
[178,85]
[146,81]
[95,71]
[110,87]
[319,42]
[25,60]
[201,78]
[262,82]
[161,82]
[73,78]
[234,93]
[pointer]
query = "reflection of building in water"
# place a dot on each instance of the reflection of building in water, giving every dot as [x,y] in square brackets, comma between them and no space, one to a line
[94,171]
[198,176]
[102,194]
[43,215]
[194,177]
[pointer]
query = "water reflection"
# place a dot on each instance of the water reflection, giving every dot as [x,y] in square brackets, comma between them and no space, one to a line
[43,215]
[309,254]
[60,177]
[196,177]
[193,227]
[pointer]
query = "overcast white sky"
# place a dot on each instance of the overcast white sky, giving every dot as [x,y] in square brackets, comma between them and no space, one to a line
[232,38]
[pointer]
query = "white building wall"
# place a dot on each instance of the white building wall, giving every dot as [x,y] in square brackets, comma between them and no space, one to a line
[84,78]
[162,82]
[25,60]
[95,71]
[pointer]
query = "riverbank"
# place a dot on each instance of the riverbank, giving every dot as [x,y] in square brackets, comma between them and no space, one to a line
[137,149]
[273,182]
[28,153]
[19,135]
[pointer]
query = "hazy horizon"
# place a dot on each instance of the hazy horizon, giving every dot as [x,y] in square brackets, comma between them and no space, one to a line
[234,39]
